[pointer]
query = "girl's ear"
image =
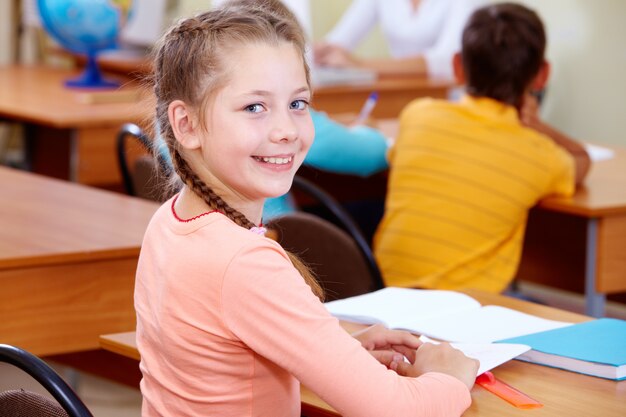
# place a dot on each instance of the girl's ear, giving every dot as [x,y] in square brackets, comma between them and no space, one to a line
[184,124]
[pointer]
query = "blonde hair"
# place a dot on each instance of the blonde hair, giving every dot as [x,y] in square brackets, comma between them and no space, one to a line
[190,66]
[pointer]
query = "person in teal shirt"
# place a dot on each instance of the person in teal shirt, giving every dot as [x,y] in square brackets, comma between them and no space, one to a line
[358,150]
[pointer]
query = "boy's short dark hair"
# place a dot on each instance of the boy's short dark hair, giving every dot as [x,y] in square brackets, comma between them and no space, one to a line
[503,49]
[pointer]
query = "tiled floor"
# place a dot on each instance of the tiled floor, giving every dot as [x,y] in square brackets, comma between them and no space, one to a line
[107,399]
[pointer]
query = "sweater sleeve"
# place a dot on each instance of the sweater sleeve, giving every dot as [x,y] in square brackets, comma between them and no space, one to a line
[267,304]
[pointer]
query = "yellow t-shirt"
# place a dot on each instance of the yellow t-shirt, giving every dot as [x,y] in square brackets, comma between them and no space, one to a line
[462,179]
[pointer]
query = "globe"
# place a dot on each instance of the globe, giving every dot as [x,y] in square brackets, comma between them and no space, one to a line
[85,27]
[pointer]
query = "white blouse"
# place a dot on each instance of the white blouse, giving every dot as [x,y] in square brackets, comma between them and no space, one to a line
[433,30]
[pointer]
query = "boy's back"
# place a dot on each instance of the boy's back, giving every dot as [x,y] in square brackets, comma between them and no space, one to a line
[463,178]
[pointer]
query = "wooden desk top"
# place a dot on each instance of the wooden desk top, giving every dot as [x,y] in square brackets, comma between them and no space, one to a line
[36,94]
[562,393]
[386,85]
[603,192]
[47,221]
[123,344]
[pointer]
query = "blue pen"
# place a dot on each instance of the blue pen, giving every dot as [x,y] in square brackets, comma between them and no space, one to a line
[367,108]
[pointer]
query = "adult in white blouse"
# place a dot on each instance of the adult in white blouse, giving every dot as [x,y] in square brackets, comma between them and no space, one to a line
[422,35]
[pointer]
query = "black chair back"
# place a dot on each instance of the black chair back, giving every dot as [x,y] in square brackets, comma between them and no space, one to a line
[342,218]
[331,253]
[141,180]
[17,403]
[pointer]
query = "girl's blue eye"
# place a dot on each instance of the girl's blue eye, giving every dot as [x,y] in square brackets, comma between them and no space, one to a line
[254,108]
[299,105]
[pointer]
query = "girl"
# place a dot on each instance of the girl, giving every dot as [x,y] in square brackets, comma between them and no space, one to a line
[226,323]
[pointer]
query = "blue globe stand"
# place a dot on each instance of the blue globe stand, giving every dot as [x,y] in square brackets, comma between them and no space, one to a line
[91,78]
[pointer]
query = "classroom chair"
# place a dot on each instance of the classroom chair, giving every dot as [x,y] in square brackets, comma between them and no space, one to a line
[139,174]
[332,254]
[336,251]
[20,403]
[336,213]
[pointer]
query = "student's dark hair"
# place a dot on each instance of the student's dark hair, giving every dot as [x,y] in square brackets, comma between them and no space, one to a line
[503,49]
[191,64]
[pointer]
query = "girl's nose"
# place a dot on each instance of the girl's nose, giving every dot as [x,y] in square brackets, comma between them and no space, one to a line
[283,135]
[284,130]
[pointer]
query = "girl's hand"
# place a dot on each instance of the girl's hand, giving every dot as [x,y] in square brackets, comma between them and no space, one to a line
[441,358]
[335,56]
[388,346]
[321,50]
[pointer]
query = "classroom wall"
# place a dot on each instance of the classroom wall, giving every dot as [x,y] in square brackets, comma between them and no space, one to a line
[7,31]
[587,90]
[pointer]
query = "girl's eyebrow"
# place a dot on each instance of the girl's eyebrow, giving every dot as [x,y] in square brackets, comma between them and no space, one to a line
[265,93]
[304,89]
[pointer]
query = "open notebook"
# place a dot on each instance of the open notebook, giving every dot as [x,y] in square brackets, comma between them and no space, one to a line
[598,153]
[443,315]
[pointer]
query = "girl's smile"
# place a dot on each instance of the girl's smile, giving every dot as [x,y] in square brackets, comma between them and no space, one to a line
[277,162]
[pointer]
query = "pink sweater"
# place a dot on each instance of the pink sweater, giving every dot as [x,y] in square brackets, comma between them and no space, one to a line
[227,327]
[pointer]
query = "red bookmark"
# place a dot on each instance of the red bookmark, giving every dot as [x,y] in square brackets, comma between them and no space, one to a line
[506,392]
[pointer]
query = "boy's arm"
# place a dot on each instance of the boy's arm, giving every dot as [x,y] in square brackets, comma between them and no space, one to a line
[530,117]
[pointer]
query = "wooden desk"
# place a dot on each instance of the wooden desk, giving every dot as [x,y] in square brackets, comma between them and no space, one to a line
[393,95]
[68,255]
[66,137]
[586,232]
[562,393]
[72,140]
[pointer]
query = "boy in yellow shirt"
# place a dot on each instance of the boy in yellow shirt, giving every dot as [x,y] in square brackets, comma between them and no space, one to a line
[464,175]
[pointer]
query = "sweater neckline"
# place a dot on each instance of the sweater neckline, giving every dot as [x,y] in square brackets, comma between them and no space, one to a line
[181,220]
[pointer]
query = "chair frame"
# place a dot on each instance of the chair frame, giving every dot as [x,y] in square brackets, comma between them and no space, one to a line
[130,129]
[134,131]
[345,221]
[47,377]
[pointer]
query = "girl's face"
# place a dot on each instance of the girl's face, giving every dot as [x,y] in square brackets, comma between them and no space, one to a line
[258,127]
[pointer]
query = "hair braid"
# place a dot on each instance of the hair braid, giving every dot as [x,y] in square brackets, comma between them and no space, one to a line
[191,27]
[193,181]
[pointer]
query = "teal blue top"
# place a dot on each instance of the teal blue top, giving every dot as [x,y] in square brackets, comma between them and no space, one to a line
[359,150]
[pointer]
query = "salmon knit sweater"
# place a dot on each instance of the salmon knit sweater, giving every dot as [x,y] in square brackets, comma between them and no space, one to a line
[227,327]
